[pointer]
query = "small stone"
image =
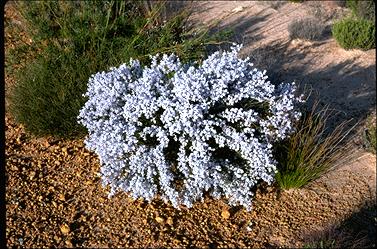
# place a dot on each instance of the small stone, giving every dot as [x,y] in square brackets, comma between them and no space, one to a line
[47,144]
[159,219]
[61,197]
[39,164]
[238,9]
[225,214]
[31,176]
[18,140]
[64,229]
[57,239]
[169,221]
[68,243]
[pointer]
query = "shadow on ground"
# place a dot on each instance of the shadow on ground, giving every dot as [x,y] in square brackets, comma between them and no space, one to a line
[237,30]
[346,87]
[357,231]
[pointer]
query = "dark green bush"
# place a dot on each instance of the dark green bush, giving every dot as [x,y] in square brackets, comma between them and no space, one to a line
[75,39]
[355,33]
[306,29]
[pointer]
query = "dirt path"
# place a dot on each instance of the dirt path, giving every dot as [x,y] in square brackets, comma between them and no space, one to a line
[54,196]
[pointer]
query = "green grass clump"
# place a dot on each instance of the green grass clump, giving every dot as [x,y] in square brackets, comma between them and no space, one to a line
[356,33]
[76,39]
[310,151]
[321,244]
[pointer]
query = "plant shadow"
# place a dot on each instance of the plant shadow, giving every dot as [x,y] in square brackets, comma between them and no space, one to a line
[347,87]
[357,231]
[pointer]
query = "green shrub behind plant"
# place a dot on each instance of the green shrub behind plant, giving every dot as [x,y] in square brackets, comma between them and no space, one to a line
[48,95]
[364,9]
[353,33]
[75,39]
[309,152]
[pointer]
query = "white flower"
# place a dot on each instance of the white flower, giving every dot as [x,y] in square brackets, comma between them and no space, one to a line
[179,130]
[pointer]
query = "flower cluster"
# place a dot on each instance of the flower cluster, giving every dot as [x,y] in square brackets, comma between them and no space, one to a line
[182,130]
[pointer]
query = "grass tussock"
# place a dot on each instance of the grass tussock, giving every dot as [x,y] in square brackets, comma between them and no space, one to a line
[311,151]
[370,134]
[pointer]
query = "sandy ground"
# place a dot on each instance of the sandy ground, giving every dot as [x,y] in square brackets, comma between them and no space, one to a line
[345,80]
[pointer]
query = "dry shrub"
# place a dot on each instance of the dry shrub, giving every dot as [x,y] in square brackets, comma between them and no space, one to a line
[306,29]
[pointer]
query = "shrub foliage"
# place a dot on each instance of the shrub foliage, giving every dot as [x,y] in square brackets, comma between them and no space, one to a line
[180,130]
[306,29]
[353,33]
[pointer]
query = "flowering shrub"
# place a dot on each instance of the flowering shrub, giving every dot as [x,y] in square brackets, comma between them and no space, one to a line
[180,130]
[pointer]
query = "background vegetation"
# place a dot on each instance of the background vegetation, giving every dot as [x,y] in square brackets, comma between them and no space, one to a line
[355,33]
[307,29]
[362,9]
[358,30]
[74,39]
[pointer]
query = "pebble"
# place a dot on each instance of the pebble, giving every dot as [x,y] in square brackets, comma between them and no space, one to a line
[65,151]
[238,9]
[159,219]
[68,243]
[57,239]
[64,229]
[31,176]
[225,214]
[61,197]
[169,221]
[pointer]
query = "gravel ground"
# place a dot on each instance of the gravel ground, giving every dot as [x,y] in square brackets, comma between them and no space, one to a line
[54,198]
